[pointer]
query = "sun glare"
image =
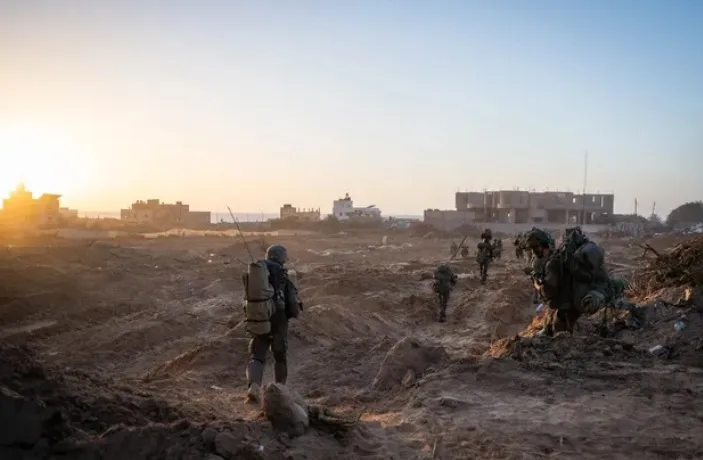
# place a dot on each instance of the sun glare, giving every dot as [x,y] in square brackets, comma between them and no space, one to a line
[45,161]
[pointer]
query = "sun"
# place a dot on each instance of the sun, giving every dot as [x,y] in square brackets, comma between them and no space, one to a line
[44,160]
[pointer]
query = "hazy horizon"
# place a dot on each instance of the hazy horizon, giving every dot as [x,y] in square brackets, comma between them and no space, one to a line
[255,104]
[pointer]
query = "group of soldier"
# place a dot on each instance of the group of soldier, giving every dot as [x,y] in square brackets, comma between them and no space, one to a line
[569,280]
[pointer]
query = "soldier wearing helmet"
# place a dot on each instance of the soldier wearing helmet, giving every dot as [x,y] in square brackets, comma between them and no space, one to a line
[444,282]
[484,254]
[287,305]
[573,280]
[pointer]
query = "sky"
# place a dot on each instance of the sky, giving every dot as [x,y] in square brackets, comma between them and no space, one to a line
[252,104]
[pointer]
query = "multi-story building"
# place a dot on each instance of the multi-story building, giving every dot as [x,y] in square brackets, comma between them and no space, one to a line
[288,212]
[343,209]
[516,206]
[155,212]
[21,208]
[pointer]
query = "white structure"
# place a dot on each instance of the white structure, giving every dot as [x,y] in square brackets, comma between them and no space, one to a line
[344,209]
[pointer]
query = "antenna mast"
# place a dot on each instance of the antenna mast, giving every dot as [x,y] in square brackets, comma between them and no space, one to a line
[583,193]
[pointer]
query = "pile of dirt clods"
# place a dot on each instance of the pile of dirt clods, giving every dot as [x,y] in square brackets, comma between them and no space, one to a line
[660,331]
[48,414]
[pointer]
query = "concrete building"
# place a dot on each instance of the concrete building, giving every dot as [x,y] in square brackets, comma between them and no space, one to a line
[343,209]
[288,212]
[521,207]
[21,208]
[155,212]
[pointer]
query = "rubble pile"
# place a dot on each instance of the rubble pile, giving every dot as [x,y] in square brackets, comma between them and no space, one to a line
[663,331]
[564,349]
[680,267]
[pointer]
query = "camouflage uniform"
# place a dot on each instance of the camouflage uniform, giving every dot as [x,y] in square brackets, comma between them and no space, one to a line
[484,256]
[288,305]
[519,246]
[497,248]
[572,280]
[444,282]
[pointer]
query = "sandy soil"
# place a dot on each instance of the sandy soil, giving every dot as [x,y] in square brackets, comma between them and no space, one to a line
[123,350]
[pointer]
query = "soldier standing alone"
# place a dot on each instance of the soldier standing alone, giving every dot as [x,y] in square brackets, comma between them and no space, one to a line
[444,282]
[285,305]
[485,254]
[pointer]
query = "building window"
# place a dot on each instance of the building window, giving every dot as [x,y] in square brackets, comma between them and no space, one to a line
[574,200]
[593,200]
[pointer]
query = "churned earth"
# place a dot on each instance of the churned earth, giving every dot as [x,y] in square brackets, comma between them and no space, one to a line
[135,349]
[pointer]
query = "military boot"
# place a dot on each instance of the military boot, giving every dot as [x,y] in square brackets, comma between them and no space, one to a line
[280,372]
[255,374]
[442,313]
[254,393]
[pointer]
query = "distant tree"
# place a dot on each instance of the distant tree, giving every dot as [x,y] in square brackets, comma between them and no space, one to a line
[688,213]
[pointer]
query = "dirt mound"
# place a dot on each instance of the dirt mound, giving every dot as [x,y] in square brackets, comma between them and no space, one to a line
[47,414]
[657,330]
[407,361]
[678,330]
[26,289]
[682,266]
[257,246]
[564,349]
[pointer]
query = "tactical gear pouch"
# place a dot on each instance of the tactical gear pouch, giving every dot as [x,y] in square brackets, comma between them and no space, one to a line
[259,306]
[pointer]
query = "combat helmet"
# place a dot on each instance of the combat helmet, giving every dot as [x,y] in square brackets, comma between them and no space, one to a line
[573,238]
[536,238]
[277,253]
[443,268]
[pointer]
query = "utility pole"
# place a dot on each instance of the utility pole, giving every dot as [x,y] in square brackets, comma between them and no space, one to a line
[583,194]
[635,206]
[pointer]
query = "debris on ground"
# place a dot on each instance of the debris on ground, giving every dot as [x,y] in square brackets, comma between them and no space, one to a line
[680,267]
[285,409]
[138,362]
[407,354]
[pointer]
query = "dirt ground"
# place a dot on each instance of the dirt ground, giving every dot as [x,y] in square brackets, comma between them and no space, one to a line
[123,350]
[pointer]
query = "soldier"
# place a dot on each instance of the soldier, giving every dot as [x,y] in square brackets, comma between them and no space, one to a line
[538,243]
[453,249]
[444,282]
[464,252]
[287,305]
[484,256]
[497,248]
[519,246]
[572,280]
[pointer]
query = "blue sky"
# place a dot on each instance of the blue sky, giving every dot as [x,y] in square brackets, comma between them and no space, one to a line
[400,103]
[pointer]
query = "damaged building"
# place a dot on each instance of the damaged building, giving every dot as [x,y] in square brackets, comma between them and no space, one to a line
[291,213]
[21,208]
[156,212]
[523,207]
